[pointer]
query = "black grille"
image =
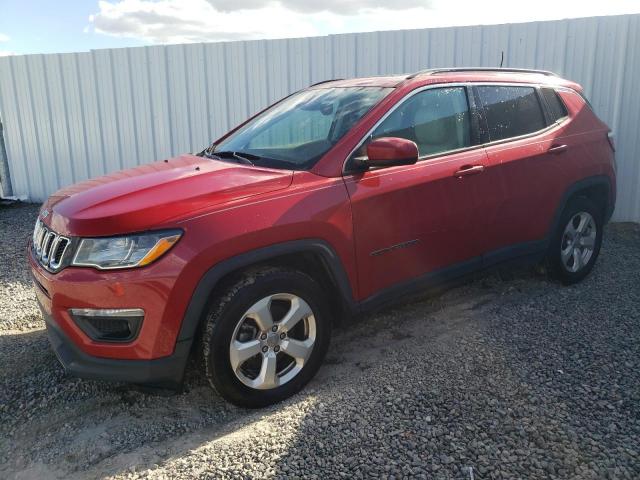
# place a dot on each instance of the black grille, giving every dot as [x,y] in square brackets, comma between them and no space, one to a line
[56,258]
[109,328]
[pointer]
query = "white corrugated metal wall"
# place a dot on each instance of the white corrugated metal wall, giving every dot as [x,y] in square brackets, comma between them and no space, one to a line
[68,117]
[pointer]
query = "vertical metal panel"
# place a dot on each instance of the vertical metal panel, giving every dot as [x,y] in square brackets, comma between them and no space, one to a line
[257,76]
[277,65]
[217,96]
[42,118]
[31,165]
[96,160]
[69,117]
[627,121]
[178,95]
[141,105]
[551,45]
[159,100]
[234,68]
[104,78]
[322,60]
[442,47]
[299,64]
[69,112]
[344,55]
[366,55]
[57,116]
[390,46]
[125,113]
[416,53]
[14,143]
[468,48]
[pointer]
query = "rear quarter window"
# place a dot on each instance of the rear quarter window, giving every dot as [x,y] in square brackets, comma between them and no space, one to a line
[511,111]
[557,110]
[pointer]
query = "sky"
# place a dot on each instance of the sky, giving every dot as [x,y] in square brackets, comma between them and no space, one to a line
[46,26]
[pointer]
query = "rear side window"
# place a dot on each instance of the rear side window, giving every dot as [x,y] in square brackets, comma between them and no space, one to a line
[556,107]
[511,111]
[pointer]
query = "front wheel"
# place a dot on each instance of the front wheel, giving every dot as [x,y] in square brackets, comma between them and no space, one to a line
[265,337]
[576,243]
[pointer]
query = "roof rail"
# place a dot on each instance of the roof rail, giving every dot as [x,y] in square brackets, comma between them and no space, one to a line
[325,81]
[432,71]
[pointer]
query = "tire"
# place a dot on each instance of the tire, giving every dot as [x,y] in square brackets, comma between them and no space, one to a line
[239,317]
[569,260]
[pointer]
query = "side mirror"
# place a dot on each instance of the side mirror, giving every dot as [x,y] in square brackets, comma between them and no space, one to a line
[391,151]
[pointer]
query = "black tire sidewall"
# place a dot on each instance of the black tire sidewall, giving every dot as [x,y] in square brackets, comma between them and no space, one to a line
[577,205]
[218,367]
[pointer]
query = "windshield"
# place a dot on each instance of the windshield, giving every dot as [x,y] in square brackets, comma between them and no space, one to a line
[296,132]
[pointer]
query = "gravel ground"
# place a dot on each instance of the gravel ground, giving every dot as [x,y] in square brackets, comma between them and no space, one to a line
[508,376]
[18,307]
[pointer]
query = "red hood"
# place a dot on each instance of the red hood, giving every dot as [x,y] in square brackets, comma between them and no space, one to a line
[147,196]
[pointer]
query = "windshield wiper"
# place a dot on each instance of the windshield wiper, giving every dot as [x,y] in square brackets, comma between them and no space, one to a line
[242,157]
[207,151]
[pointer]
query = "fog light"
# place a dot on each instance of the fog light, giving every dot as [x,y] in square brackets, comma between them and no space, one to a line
[109,325]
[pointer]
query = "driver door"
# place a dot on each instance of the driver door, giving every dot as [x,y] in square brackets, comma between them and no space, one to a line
[422,221]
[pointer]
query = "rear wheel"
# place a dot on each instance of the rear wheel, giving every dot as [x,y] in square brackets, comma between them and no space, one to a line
[576,243]
[265,337]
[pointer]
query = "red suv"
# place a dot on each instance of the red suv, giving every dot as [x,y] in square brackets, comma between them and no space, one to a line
[331,202]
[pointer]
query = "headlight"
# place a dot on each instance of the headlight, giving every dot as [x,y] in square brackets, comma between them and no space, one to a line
[125,252]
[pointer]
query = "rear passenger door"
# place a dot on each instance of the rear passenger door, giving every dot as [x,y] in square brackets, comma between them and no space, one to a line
[522,145]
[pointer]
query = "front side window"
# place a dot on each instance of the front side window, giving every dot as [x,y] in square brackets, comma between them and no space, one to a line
[511,111]
[436,119]
[298,131]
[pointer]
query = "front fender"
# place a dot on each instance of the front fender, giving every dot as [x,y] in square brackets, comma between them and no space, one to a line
[199,299]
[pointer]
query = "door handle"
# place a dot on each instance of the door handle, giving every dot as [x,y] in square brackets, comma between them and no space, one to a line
[555,149]
[469,170]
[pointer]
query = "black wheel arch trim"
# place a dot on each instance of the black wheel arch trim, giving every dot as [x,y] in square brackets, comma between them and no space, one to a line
[576,187]
[201,296]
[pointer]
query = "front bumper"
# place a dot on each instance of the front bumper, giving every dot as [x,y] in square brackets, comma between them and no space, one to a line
[166,372]
[150,288]
[155,357]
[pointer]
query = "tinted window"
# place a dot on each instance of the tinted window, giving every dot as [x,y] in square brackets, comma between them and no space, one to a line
[556,107]
[511,111]
[436,119]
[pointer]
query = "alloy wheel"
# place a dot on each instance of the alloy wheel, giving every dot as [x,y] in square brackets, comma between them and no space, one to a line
[272,341]
[578,242]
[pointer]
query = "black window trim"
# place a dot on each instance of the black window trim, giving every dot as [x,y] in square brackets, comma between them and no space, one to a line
[547,107]
[544,106]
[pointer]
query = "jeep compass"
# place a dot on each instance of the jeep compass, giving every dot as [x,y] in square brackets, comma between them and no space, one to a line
[331,202]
